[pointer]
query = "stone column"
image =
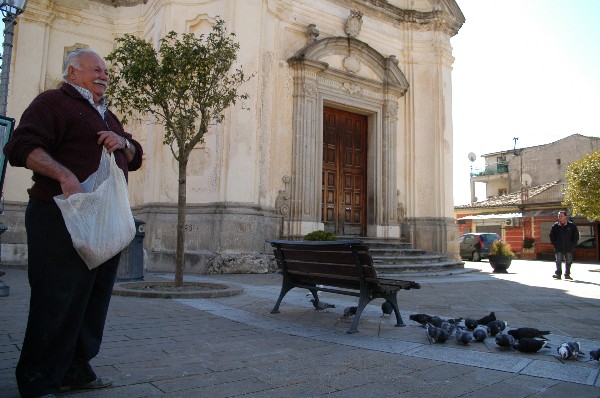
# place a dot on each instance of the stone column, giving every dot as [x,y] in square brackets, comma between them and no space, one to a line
[307,148]
[388,214]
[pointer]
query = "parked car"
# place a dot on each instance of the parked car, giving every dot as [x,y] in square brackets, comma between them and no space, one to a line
[589,243]
[475,246]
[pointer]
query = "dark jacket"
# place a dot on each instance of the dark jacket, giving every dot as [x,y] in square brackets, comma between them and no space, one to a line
[65,125]
[564,237]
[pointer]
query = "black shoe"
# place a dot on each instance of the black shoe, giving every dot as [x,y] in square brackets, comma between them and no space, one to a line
[100,382]
[556,276]
[568,276]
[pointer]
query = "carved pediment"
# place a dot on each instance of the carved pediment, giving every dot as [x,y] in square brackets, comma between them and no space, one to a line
[354,58]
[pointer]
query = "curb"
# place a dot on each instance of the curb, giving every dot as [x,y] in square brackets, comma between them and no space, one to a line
[150,290]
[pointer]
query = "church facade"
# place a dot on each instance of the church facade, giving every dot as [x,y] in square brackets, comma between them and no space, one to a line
[348,127]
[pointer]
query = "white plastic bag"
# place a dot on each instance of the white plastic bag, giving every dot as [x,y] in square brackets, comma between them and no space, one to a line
[99,219]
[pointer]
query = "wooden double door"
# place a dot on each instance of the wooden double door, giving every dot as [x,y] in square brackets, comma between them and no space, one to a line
[344,172]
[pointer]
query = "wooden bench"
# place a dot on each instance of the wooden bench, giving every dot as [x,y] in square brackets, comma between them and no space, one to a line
[342,267]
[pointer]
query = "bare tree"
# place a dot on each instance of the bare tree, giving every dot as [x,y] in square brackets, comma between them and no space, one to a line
[186,85]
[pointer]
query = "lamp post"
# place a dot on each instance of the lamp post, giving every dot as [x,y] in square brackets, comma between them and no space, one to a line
[10,9]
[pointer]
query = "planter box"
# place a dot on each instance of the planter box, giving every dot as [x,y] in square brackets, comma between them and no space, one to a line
[500,263]
[527,256]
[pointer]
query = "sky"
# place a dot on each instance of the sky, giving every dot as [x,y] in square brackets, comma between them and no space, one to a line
[523,68]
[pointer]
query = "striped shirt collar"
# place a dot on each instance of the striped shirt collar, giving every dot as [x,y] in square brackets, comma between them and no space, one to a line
[87,94]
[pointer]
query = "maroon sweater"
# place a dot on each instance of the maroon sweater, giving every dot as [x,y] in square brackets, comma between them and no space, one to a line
[65,124]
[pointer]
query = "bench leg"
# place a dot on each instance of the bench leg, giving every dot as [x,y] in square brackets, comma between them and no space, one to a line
[362,303]
[394,302]
[286,286]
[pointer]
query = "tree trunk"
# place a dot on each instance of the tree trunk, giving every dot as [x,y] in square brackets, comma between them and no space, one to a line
[181,204]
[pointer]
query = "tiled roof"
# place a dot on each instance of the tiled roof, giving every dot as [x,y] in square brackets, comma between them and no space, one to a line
[512,199]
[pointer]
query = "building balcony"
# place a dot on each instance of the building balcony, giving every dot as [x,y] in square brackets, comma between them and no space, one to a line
[490,169]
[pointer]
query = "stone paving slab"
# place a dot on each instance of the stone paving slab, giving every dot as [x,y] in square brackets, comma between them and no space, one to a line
[233,346]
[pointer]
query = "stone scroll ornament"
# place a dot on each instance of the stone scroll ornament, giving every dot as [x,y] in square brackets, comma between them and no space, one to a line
[354,23]
[313,33]
[282,203]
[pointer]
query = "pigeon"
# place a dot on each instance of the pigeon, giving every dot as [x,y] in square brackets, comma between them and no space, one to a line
[530,333]
[569,350]
[496,327]
[505,341]
[529,345]
[500,324]
[448,327]
[481,333]
[463,336]
[387,308]
[487,319]
[454,321]
[470,323]
[436,321]
[435,334]
[321,305]
[595,354]
[350,311]
[422,319]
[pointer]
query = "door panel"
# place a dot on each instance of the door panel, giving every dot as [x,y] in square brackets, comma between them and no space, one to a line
[344,172]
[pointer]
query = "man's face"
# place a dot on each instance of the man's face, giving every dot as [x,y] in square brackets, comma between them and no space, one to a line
[562,218]
[91,75]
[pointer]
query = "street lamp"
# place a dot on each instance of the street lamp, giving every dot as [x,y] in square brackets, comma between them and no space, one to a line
[10,9]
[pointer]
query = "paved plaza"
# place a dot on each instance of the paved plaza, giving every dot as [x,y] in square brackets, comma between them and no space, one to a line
[234,347]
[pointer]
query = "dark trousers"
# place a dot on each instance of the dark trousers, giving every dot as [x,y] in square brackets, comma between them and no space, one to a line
[67,308]
[568,256]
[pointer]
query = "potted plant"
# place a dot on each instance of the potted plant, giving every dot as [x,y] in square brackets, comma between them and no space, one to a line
[528,252]
[501,256]
[528,242]
[320,235]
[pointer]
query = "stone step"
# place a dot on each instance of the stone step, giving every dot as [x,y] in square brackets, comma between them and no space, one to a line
[418,259]
[422,268]
[389,252]
[394,258]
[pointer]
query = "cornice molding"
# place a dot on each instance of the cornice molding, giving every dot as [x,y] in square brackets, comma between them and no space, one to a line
[445,16]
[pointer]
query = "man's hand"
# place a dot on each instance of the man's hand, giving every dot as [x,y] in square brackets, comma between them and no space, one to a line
[111,141]
[70,185]
[42,163]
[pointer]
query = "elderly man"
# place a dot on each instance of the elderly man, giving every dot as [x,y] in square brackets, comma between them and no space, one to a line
[60,138]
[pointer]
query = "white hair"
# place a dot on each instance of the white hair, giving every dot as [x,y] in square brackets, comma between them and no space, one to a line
[72,59]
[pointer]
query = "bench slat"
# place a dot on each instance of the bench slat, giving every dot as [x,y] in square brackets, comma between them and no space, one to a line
[329,268]
[331,257]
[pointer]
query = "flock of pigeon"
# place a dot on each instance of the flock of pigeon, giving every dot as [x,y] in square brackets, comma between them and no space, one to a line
[524,339]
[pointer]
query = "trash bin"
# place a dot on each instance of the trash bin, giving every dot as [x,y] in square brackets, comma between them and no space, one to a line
[131,265]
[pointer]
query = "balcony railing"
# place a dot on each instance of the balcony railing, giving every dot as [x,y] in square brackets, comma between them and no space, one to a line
[490,169]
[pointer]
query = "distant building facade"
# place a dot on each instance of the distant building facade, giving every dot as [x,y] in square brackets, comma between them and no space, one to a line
[349,128]
[525,191]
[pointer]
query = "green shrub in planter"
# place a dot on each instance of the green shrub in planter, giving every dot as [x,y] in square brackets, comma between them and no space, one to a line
[320,236]
[501,248]
[528,243]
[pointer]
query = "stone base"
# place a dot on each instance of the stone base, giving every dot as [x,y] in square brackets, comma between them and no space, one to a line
[437,235]
[219,237]
[205,262]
